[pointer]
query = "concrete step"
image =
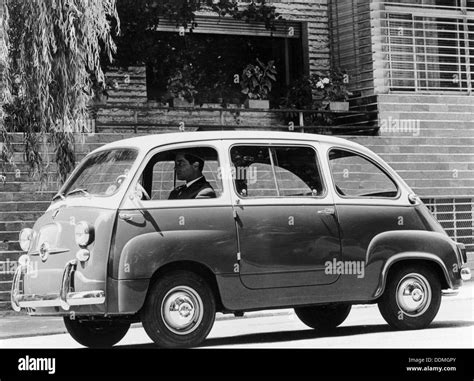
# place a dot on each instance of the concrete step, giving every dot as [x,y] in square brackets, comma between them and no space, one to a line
[443,192]
[6,235]
[9,227]
[431,116]
[10,245]
[440,183]
[20,216]
[436,174]
[10,256]
[5,286]
[426,99]
[22,196]
[428,157]
[26,187]
[96,138]
[426,107]
[431,166]
[24,206]
[421,149]
[411,140]
[18,157]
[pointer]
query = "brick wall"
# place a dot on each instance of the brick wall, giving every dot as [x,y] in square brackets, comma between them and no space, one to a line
[315,13]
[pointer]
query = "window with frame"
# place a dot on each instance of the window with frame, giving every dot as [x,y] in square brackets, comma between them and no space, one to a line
[285,171]
[356,176]
[159,177]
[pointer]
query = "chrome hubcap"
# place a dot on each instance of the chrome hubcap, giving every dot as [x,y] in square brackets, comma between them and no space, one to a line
[182,310]
[413,295]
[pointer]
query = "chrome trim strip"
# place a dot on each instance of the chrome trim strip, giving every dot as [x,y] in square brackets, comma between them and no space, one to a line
[66,283]
[51,251]
[54,300]
[15,292]
[450,292]
[86,298]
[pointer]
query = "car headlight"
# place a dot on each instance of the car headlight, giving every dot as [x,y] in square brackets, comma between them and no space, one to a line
[84,234]
[26,237]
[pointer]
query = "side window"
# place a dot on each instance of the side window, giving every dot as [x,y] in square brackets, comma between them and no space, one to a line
[261,171]
[191,173]
[356,176]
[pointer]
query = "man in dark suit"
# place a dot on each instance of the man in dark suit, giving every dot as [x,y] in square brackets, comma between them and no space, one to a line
[189,168]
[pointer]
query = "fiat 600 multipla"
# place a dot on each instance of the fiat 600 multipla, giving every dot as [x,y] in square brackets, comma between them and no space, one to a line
[170,229]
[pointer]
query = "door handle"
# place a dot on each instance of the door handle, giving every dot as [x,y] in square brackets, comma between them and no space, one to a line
[126,217]
[327,211]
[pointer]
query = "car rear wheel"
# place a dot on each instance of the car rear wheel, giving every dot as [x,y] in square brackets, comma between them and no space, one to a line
[325,317]
[179,310]
[411,299]
[96,333]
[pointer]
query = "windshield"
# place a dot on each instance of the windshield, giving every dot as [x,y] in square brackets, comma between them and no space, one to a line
[102,173]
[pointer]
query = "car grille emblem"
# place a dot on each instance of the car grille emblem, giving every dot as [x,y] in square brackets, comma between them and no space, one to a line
[44,251]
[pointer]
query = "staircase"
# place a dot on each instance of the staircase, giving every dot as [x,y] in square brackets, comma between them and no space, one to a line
[432,149]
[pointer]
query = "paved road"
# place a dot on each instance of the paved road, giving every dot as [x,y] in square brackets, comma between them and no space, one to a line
[364,328]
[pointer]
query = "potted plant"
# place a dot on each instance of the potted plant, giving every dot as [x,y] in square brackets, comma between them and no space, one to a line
[257,83]
[181,88]
[333,89]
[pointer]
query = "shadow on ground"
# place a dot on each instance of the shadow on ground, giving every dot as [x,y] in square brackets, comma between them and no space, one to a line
[308,334]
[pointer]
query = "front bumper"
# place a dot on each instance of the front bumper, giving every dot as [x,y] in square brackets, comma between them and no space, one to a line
[66,297]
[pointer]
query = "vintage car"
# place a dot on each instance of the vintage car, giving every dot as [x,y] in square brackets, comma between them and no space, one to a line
[311,222]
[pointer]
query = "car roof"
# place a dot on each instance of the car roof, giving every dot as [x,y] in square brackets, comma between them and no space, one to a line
[147,142]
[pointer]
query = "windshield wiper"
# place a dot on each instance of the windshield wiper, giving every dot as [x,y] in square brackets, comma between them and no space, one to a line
[58,195]
[78,190]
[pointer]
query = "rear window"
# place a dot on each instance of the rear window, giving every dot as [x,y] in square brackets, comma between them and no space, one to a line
[357,177]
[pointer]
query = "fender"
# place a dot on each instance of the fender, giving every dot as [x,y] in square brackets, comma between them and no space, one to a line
[143,255]
[391,247]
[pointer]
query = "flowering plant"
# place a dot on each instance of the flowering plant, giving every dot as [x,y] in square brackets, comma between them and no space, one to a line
[333,87]
[257,79]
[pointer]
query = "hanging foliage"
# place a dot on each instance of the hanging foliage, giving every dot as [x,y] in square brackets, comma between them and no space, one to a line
[54,50]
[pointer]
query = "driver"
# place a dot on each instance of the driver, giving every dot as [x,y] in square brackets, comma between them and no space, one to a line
[189,168]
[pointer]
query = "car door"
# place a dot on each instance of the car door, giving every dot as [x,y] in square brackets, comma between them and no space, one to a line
[153,230]
[368,202]
[285,217]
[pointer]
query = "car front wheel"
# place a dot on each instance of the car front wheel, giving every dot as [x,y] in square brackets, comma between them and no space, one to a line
[325,317]
[179,310]
[411,299]
[96,333]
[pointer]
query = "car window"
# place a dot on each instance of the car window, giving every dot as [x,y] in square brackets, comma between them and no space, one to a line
[162,179]
[262,171]
[102,173]
[356,176]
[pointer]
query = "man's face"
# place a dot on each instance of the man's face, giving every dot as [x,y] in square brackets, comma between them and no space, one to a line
[185,171]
